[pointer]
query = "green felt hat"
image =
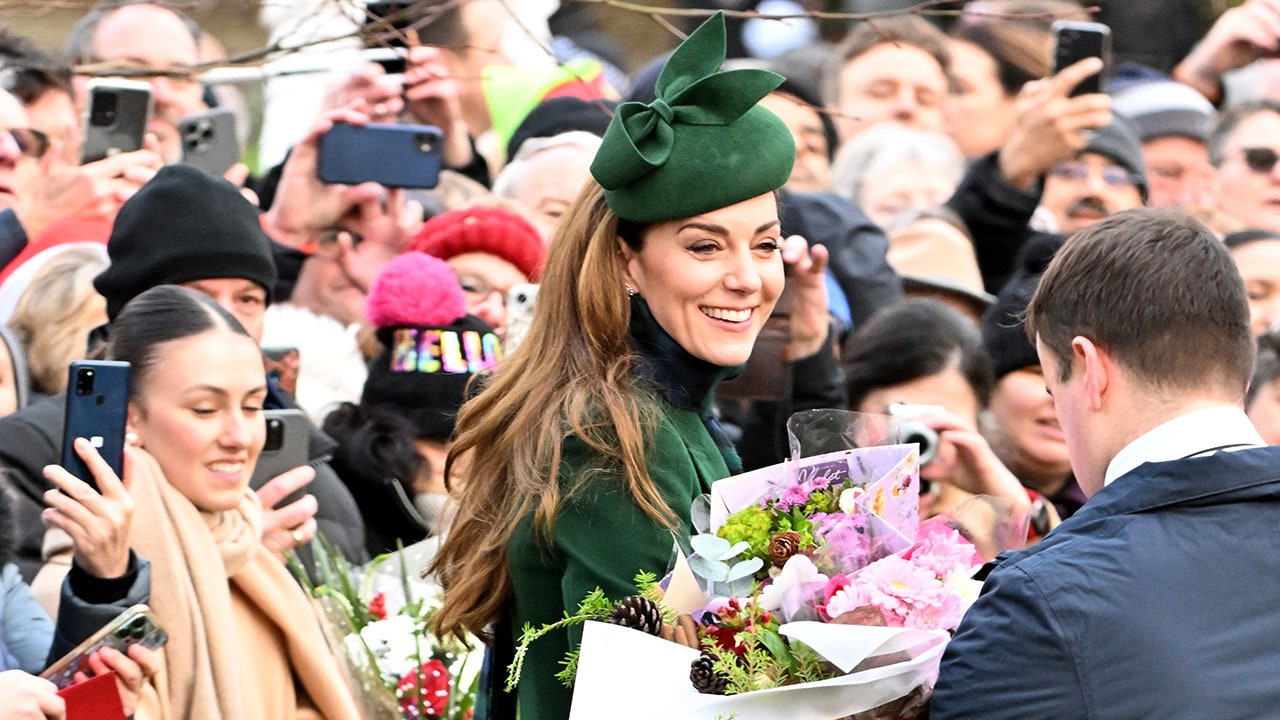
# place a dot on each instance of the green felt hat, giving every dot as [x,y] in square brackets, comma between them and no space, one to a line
[703,144]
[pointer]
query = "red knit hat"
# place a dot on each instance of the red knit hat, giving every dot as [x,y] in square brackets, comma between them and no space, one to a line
[491,230]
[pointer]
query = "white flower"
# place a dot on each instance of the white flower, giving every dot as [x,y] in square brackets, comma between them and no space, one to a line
[392,643]
[849,500]
[798,572]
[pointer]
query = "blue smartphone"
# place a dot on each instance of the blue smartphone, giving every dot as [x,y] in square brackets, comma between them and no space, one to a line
[97,407]
[398,156]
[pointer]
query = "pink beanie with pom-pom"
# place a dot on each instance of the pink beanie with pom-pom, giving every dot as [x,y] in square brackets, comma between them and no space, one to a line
[415,289]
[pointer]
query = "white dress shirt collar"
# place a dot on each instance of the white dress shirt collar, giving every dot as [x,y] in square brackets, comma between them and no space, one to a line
[1195,433]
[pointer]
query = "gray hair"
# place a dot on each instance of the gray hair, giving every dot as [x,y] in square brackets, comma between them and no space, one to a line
[507,183]
[888,145]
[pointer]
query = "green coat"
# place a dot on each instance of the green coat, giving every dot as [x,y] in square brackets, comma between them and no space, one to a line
[601,538]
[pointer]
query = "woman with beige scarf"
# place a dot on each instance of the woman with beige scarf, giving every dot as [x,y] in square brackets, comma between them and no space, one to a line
[244,641]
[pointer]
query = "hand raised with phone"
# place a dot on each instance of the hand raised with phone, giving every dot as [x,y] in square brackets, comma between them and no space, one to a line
[98,520]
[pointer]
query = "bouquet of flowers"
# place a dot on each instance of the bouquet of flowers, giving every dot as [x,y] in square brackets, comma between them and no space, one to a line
[819,595]
[393,661]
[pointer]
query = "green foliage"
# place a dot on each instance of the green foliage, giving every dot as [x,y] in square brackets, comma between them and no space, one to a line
[595,606]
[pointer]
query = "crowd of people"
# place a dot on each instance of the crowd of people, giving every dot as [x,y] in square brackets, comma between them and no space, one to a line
[534,360]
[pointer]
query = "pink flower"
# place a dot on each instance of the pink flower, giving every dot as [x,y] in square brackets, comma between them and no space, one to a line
[942,611]
[895,585]
[941,549]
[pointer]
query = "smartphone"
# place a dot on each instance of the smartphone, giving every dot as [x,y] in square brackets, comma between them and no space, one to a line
[96,409]
[209,140]
[1075,41]
[403,156]
[520,301]
[135,626]
[116,116]
[288,445]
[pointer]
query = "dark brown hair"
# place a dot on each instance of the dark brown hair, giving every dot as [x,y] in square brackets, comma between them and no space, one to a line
[1159,292]
[1021,51]
[911,30]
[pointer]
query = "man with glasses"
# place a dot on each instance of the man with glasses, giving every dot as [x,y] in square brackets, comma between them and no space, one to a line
[1245,148]
[1108,175]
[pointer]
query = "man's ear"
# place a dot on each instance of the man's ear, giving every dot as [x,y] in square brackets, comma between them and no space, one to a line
[1096,368]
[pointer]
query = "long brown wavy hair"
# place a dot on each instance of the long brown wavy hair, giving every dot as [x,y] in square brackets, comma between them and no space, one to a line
[571,377]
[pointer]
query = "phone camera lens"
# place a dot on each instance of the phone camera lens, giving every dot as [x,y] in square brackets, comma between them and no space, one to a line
[102,113]
[275,435]
[84,382]
[426,142]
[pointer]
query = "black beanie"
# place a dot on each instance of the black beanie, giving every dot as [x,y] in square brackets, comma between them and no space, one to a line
[561,115]
[1003,329]
[184,225]
[422,371]
[1119,142]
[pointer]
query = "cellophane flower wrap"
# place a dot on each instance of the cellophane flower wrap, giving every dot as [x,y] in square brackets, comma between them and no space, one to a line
[825,597]
[378,622]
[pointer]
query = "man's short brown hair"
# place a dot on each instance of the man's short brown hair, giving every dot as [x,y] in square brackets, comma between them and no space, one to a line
[911,30]
[1159,292]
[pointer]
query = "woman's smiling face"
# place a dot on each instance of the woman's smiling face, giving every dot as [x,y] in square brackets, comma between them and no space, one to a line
[711,280]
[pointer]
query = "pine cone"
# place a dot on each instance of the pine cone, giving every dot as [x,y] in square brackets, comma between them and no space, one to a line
[704,677]
[783,545]
[638,613]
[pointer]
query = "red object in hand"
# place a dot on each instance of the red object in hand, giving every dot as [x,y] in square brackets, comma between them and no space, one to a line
[424,693]
[97,698]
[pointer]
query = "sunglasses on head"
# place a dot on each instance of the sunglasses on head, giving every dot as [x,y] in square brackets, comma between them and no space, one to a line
[1260,159]
[31,143]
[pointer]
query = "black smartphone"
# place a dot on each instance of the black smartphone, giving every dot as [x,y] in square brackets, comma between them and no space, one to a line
[116,116]
[1075,41]
[209,140]
[97,407]
[287,446]
[135,626]
[402,156]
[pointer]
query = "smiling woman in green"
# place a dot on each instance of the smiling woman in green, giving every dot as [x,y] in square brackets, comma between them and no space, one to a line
[585,450]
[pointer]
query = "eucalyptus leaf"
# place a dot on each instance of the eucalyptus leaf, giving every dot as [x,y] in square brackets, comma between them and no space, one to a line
[711,546]
[708,569]
[700,513]
[736,550]
[744,569]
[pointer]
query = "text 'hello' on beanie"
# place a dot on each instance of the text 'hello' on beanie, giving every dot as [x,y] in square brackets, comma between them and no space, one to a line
[181,226]
[489,230]
[704,143]
[431,347]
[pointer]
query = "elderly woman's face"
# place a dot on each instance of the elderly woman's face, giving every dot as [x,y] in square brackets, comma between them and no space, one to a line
[199,413]
[711,280]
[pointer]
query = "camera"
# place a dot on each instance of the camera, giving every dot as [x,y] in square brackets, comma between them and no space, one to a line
[911,430]
[102,113]
[84,382]
[275,435]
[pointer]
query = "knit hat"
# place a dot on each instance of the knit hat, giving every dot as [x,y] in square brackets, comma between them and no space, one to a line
[431,346]
[1165,108]
[1119,142]
[481,229]
[1003,329]
[560,115]
[703,144]
[184,225]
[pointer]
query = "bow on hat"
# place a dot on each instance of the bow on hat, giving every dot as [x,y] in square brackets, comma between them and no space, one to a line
[690,91]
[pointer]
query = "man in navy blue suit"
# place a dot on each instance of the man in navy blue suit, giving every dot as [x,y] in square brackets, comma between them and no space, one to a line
[1159,597]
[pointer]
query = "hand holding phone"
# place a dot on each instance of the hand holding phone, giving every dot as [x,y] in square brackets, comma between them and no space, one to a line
[135,626]
[116,116]
[98,521]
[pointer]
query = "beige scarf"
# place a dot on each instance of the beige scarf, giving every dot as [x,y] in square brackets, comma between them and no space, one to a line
[193,554]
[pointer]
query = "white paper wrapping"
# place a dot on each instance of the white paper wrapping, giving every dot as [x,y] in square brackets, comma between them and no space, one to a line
[623,673]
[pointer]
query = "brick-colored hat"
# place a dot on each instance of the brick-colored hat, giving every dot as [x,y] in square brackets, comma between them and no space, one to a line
[489,230]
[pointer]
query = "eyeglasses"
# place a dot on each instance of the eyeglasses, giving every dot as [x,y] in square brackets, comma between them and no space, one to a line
[1261,160]
[31,143]
[1078,171]
[479,290]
